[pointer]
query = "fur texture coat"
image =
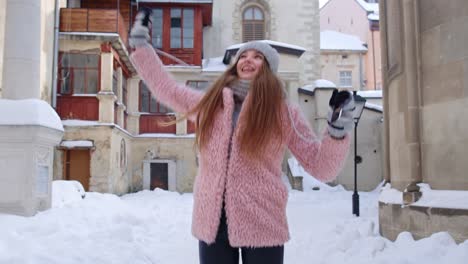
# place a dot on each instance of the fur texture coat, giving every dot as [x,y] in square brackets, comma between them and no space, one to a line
[254,193]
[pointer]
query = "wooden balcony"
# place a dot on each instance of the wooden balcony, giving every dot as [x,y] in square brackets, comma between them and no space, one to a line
[93,21]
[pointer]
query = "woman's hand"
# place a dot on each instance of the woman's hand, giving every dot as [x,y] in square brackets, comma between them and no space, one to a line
[340,115]
[139,35]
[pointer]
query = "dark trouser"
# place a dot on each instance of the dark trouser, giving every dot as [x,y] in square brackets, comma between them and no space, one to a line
[220,252]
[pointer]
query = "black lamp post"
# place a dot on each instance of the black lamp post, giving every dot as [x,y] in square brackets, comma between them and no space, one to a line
[359,103]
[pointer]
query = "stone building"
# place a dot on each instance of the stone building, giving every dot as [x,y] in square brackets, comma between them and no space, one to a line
[114,141]
[358,18]
[425,69]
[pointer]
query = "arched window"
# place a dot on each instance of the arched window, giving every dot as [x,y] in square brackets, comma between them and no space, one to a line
[253,24]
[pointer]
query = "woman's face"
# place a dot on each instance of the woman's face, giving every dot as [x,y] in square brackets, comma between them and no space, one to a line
[249,64]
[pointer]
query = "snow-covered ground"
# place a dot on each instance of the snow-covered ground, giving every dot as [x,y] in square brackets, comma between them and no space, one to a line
[154,227]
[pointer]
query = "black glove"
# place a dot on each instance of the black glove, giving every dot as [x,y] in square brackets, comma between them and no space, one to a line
[139,35]
[340,115]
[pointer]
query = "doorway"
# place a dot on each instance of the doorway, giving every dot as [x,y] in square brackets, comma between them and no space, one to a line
[77,166]
[159,174]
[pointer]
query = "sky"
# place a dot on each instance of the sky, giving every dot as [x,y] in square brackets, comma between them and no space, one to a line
[154,227]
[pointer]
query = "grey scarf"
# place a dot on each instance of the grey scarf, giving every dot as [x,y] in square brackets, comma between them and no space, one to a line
[240,89]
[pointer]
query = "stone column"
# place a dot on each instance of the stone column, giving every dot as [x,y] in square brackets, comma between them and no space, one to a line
[120,106]
[21,63]
[181,127]
[133,90]
[412,95]
[106,96]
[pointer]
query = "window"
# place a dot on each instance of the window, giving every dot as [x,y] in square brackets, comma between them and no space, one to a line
[345,79]
[157,28]
[124,90]
[78,73]
[198,85]
[148,104]
[253,24]
[115,82]
[182,28]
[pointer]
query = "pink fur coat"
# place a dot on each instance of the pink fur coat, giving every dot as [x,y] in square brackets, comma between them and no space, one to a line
[255,195]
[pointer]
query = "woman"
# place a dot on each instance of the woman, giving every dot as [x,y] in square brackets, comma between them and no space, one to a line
[243,126]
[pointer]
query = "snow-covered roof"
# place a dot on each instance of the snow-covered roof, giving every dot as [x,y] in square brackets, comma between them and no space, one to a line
[29,112]
[213,65]
[322,83]
[77,144]
[272,43]
[374,107]
[374,17]
[334,40]
[369,7]
[370,94]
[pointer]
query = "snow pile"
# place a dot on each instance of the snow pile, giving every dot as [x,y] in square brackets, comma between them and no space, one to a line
[154,227]
[66,192]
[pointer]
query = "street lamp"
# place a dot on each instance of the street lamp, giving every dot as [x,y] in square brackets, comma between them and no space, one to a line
[359,102]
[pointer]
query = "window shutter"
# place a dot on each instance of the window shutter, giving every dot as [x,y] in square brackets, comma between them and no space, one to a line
[253,30]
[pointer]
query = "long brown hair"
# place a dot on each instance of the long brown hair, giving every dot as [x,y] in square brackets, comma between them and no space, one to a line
[263,119]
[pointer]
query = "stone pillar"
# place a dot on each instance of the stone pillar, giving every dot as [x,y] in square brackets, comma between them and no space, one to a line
[21,63]
[106,96]
[412,112]
[27,144]
[402,94]
[181,127]
[120,106]
[133,121]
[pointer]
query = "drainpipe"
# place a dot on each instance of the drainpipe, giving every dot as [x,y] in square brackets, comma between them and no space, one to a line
[55,54]
[361,81]
[374,67]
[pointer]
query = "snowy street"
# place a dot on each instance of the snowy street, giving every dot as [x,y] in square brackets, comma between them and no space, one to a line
[154,227]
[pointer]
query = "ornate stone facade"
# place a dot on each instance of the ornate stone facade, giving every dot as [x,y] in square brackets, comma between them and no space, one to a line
[425,67]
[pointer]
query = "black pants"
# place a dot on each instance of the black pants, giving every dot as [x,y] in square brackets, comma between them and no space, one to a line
[221,252]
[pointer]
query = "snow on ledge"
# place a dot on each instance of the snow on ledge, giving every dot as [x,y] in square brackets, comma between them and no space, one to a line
[77,144]
[442,198]
[389,195]
[430,198]
[29,112]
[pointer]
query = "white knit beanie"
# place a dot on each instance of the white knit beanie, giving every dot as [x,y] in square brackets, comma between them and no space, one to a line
[271,55]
